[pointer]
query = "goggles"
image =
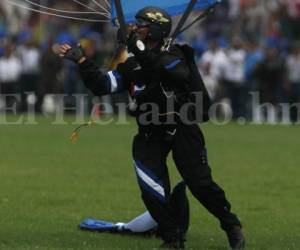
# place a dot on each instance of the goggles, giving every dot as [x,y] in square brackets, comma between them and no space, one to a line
[141,23]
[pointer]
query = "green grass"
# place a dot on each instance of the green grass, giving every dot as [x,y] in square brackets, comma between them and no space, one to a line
[48,185]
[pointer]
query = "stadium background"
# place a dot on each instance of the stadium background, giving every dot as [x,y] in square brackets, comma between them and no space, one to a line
[243,46]
[49,185]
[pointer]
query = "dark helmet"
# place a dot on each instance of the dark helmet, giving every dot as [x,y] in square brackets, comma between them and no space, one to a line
[158,21]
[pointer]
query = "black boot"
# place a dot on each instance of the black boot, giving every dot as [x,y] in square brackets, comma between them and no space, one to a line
[172,240]
[176,244]
[236,238]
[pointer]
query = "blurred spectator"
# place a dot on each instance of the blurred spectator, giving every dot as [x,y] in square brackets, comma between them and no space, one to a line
[51,66]
[51,81]
[71,77]
[270,74]
[234,9]
[234,77]
[10,72]
[293,77]
[15,17]
[252,18]
[254,69]
[253,58]
[294,16]
[2,21]
[30,59]
[212,66]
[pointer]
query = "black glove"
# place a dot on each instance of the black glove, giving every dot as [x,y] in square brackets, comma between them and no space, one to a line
[138,48]
[134,45]
[74,54]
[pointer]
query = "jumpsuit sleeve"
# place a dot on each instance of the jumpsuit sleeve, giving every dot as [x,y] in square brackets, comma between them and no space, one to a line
[102,83]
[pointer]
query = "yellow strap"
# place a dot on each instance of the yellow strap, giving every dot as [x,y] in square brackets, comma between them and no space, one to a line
[75,134]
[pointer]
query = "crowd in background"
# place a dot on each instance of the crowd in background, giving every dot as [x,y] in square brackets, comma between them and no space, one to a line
[243,46]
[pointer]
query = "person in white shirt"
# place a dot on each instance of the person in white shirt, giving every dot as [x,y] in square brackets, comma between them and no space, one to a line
[30,58]
[10,72]
[212,66]
[234,78]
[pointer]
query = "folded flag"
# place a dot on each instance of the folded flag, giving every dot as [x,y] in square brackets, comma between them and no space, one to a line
[98,225]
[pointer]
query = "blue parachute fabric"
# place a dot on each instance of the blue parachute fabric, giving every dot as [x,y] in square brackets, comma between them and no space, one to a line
[173,7]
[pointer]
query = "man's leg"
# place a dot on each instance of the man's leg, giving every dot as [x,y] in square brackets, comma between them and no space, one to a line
[150,164]
[180,205]
[144,224]
[190,156]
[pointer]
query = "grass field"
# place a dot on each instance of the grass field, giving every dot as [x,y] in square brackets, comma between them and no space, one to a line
[48,185]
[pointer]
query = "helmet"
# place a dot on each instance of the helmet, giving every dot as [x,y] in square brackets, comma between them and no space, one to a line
[157,20]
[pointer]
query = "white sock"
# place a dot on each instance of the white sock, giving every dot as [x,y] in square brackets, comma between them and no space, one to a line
[140,224]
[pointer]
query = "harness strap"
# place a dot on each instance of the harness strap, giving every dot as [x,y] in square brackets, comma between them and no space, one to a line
[199,18]
[183,19]
[179,29]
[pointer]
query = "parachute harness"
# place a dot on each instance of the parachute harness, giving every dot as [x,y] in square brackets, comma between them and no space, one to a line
[180,29]
[167,44]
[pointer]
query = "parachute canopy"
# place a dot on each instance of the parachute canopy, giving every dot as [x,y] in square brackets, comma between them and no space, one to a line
[173,7]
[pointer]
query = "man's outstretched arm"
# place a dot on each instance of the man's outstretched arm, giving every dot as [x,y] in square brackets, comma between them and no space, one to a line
[97,82]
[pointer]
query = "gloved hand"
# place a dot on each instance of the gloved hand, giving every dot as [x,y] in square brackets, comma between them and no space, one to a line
[131,42]
[138,48]
[134,45]
[73,54]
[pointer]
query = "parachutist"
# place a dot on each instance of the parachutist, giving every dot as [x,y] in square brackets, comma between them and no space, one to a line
[155,79]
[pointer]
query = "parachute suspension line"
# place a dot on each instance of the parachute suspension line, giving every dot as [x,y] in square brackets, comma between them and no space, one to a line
[199,18]
[123,28]
[108,4]
[101,7]
[84,5]
[53,14]
[186,14]
[179,29]
[121,20]
[184,17]
[63,11]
